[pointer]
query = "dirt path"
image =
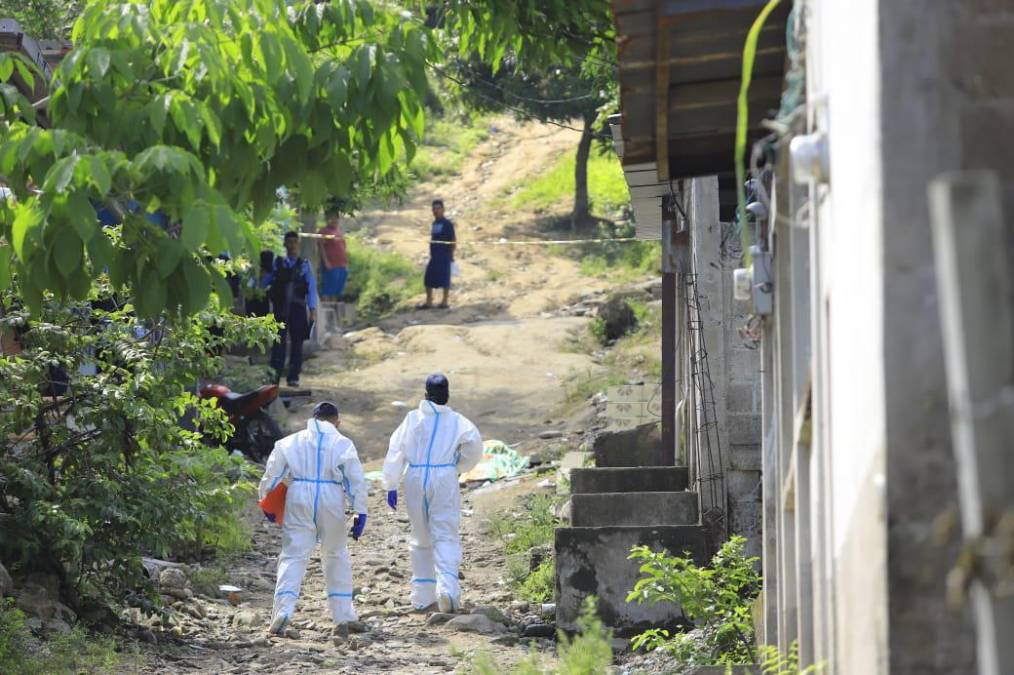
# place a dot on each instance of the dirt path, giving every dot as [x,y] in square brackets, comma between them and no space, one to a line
[211,635]
[504,347]
[503,344]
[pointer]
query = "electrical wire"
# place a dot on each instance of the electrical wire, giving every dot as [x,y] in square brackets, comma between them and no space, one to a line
[516,109]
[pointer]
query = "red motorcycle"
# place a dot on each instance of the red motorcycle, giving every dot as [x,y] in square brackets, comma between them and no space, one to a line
[256,431]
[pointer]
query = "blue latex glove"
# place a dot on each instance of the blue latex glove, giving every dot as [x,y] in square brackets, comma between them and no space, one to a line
[358,525]
[392,498]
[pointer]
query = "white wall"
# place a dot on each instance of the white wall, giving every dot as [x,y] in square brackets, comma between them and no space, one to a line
[843,89]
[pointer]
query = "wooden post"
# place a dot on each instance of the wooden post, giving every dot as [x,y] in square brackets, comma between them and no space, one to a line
[974,285]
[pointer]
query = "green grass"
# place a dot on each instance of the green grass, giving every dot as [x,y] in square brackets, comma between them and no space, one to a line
[607,188]
[67,653]
[534,525]
[379,281]
[448,143]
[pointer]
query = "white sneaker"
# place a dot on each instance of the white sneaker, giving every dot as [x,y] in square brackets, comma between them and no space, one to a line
[277,626]
[444,603]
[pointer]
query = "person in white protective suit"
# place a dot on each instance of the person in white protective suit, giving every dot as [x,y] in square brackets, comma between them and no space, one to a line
[430,447]
[322,470]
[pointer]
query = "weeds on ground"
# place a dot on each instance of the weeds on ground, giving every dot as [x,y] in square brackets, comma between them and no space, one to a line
[716,598]
[206,580]
[379,280]
[583,386]
[774,662]
[589,652]
[65,653]
[530,528]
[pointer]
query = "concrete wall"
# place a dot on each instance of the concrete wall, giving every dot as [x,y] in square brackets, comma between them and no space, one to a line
[734,364]
[855,562]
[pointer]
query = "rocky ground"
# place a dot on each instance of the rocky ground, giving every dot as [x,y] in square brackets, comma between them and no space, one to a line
[201,633]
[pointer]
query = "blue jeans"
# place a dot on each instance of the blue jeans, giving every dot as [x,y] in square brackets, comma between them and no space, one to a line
[294,332]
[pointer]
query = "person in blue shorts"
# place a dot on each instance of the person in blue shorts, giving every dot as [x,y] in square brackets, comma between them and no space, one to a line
[334,259]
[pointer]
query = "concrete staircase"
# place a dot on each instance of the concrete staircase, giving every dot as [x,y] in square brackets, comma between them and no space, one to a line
[629,499]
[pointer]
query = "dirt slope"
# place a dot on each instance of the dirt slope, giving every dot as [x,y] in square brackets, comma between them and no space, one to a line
[502,344]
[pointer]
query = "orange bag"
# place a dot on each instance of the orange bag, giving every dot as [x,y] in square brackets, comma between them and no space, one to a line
[273,505]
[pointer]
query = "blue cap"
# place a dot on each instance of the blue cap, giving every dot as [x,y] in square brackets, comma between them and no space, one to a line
[325,409]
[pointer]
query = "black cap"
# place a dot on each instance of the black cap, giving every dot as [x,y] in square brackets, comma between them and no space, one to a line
[437,388]
[325,409]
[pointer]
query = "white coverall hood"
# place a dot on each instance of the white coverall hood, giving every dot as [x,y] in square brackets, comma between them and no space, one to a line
[428,449]
[322,469]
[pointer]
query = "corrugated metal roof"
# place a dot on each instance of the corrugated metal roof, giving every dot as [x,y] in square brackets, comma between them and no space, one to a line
[680,64]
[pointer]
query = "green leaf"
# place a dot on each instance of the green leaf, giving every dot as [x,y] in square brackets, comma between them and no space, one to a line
[26,219]
[198,286]
[60,176]
[150,294]
[99,174]
[67,253]
[81,215]
[196,223]
[170,252]
[100,251]
[98,61]
[222,289]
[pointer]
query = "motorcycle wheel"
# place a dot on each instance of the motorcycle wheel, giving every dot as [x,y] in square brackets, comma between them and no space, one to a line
[262,432]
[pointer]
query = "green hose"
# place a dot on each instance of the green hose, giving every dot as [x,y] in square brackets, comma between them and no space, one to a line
[743,121]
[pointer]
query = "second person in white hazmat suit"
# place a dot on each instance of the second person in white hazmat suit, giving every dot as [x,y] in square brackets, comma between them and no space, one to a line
[433,444]
[322,470]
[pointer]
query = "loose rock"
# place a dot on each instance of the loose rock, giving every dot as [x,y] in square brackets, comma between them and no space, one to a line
[539,630]
[438,618]
[246,618]
[476,623]
[490,612]
[172,578]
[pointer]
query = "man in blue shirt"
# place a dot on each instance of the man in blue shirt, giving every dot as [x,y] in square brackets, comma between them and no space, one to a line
[292,289]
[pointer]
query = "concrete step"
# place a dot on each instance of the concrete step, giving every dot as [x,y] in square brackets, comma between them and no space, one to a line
[640,446]
[633,509]
[629,479]
[593,561]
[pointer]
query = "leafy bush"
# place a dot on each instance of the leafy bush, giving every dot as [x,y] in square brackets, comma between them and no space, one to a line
[64,653]
[106,472]
[717,599]
[379,280]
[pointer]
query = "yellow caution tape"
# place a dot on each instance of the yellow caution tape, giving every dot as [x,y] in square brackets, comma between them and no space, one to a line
[494,242]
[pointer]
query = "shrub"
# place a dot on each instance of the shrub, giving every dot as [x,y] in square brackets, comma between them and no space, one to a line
[717,599]
[105,473]
[65,653]
[379,280]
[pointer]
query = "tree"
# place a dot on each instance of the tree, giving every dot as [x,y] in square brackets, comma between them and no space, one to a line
[42,19]
[556,95]
[202,109]
[578,83]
